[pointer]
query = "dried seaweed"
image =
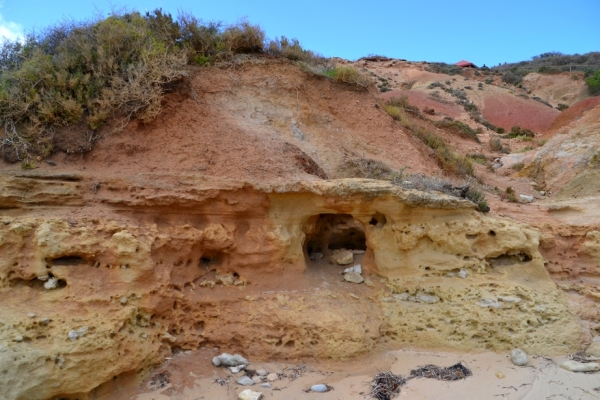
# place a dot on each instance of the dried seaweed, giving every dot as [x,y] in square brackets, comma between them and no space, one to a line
[386,385]
[452,373]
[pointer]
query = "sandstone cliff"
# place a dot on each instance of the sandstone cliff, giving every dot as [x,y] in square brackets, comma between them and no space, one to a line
[149,266]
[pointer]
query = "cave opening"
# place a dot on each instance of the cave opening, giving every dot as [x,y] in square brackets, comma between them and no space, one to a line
[326,233]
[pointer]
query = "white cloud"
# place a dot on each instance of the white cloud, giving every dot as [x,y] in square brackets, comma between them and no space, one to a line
[10,30]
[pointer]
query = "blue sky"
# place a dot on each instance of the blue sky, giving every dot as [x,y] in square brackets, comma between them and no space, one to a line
[483,31]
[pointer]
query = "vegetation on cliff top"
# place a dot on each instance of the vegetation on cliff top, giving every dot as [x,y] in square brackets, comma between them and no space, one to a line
[92,72]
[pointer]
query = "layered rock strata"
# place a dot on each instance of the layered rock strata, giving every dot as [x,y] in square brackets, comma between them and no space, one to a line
[103,278]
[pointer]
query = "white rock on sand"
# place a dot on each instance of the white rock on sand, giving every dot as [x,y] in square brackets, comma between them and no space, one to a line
[519,357]
[320,388]
[229,360]
[575,366]
[245,381]
[249,395]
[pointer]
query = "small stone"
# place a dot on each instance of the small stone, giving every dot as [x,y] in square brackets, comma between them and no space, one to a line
[235,370]
[519,357]
[124,266]
[209,284]
[249,395]
[355,297]
[257,379]
[45,321]
[266,385]
[31,315]
[574,366]
[18,338]
[261,372]
[216,361]
[272,377]
[357,268]
[369,283]
[358,252]
[343,257]
[353,277]
[315,256]
[320,388]
[500,375]
[525,198]
[124,300]
[463,273]
[245,381]
[229,360]
[51,284]
[43,278]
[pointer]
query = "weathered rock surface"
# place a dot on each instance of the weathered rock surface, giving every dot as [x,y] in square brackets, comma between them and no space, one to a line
[154,244]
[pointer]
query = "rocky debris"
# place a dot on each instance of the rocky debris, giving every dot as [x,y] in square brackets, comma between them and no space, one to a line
[266,385]
[525,198]
[261,372]
[225,279]
[353,277]
[316,256]
[75,334]
[229,360]
[257,379]
[245,381]
[463,273]
[358,252]
[342,257]
[250,395]
[519,357]
[320,388]
[272,377]
[576,366]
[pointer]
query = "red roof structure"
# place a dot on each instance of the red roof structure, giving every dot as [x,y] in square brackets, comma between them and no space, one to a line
[466,64]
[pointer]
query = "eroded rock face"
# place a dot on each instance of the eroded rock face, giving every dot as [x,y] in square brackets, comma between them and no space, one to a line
[148,270]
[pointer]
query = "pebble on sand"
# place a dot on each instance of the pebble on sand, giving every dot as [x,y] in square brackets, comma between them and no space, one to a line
[519,357]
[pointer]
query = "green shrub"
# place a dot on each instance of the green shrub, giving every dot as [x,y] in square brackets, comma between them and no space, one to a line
[512,78]
[517,132]
[478,197]
[350,75]
[458,127]
[593,83]
[509,195]
[244,38]
[479,158]
[495,144]
[403,103]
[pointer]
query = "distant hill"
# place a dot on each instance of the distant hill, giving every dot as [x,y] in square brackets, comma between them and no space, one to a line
[554,62]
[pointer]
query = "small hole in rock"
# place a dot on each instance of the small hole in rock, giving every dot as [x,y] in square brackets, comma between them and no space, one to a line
[492,233]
